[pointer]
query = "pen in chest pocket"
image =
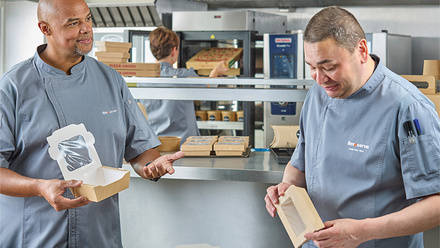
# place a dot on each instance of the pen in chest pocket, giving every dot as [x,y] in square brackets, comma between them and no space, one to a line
[407,125]
[417,124]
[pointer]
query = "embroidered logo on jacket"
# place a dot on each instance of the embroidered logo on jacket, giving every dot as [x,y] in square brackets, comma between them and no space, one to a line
[357,147]
[109,112]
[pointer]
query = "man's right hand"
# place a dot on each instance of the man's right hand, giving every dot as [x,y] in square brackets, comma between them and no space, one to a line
[273,193]
[52,191]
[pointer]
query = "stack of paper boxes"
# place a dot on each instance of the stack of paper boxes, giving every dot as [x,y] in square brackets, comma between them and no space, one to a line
[112,51]
[199,145]
[214,145]
[231,145]
[115,55]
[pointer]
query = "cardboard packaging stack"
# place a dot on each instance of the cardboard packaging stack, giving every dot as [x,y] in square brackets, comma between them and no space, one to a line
[205,60]
[431,76]
[213,145]
[231,145]
[72,147]
[137,69]
[116,54]
[199,145]
[113,52]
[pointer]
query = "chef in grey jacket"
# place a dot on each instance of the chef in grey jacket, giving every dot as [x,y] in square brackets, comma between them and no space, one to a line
[57,87]
[372,175]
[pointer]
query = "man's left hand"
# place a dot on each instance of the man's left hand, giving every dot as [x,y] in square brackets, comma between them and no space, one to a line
[162,165]
[347,233]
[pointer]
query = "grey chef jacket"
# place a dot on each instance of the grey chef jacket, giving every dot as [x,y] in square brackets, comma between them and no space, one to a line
[356,156]
[37,99]
[172,117]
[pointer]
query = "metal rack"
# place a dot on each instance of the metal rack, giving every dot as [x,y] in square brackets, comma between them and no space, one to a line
[177,89]
[192,42]
[247,90]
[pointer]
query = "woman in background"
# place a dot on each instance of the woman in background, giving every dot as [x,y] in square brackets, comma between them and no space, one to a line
[173,117]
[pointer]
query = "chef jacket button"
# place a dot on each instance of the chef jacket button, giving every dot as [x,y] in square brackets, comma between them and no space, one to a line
[129,101]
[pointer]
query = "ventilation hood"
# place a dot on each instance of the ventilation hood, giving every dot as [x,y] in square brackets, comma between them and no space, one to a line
[284,4]
[131,13]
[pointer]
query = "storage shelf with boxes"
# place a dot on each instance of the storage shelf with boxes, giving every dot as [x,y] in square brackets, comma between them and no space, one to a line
[214,146]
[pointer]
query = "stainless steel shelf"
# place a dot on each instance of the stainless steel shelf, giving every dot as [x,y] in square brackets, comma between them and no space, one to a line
[177,89]
[175,81]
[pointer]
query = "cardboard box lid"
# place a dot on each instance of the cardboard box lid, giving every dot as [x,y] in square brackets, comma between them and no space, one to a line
[209,57]
[119,55]
[298,214]
[99,43]
[202,138]
[197,145]
[72,147]
[244,139]
[113,49]
[229,146]
[233,137]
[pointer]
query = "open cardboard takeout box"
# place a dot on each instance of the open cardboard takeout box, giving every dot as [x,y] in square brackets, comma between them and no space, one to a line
[72,147]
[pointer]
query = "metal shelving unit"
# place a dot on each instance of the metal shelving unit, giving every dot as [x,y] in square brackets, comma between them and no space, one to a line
[227,89]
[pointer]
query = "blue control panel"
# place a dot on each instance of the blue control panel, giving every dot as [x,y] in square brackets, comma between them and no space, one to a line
[283,63]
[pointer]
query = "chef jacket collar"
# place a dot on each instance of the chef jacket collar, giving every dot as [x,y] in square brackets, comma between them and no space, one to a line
[52,71]
[373,82]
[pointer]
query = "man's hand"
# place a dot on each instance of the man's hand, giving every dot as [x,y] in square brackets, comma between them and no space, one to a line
[273,193]
[347,233]
[52,191]
[162,165]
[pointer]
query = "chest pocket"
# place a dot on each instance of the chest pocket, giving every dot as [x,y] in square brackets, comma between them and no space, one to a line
[421,157]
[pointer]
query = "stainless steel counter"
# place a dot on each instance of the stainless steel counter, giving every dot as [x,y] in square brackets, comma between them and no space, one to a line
[216,201]
[258,167]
